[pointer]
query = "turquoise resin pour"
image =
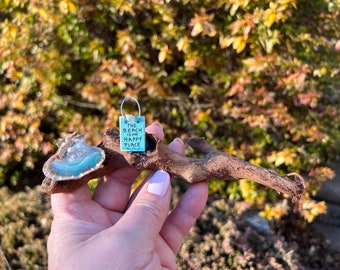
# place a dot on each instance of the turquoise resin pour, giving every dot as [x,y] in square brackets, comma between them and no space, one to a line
[80,159]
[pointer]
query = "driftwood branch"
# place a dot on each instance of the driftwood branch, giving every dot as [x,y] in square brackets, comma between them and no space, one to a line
[214,165]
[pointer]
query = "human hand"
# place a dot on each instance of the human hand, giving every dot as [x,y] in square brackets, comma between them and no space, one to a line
[111,230]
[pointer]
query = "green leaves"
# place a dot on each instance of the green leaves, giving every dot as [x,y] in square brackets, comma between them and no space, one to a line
[258,79]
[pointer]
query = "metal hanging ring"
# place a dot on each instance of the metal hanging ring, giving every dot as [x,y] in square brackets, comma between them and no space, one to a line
[135,100]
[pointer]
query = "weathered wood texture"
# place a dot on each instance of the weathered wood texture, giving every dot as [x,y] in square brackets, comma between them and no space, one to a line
[214,165]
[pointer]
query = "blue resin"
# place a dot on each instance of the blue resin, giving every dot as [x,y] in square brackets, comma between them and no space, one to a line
[79,160]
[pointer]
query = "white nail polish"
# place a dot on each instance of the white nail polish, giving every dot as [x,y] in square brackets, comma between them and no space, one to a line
[178,140]
[159,183]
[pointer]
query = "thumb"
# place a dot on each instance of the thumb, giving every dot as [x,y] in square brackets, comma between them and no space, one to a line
[148,211]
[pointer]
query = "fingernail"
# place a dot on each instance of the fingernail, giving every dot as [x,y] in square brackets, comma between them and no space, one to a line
[155,129]
[159,183]
[178,140]
[157,124]
[154,124]
[177,145]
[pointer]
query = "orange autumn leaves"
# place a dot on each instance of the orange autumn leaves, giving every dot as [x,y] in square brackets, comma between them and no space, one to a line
[257,79]
[246,26]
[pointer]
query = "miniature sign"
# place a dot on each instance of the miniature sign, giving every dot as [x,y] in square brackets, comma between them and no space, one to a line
[132,133]
[132,130]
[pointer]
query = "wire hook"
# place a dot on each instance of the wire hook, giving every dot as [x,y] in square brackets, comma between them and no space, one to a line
[121,107]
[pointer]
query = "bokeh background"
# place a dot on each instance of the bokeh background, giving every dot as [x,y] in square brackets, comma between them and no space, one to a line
[257,79]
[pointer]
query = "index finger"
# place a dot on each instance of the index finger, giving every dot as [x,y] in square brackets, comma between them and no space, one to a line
[113,191]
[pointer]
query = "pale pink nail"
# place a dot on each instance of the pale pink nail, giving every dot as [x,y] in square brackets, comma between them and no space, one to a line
[159,183]
[155,129]
[177,145]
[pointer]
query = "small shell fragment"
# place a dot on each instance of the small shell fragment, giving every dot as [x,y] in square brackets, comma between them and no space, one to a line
[74,159]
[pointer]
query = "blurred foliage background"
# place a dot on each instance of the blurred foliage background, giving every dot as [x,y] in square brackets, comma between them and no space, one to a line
[257,79]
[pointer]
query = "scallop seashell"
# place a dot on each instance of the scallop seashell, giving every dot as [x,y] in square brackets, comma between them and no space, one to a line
[74,159]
